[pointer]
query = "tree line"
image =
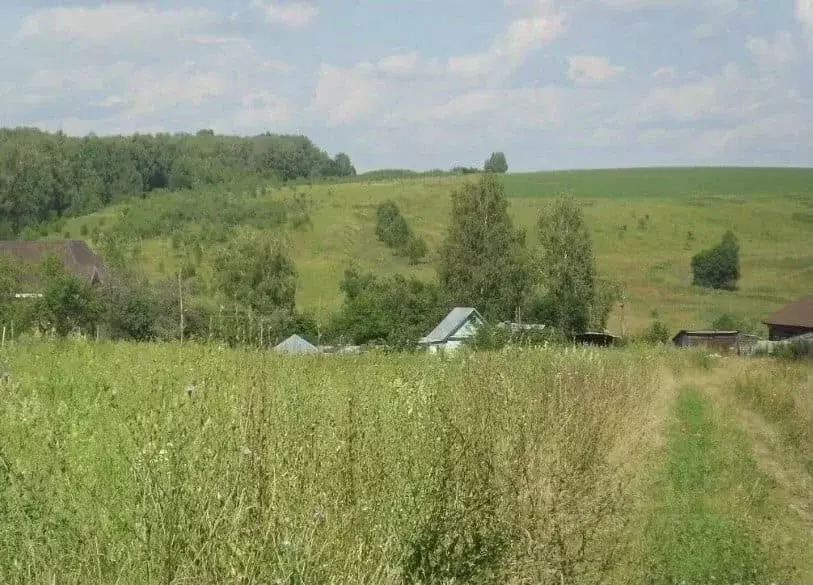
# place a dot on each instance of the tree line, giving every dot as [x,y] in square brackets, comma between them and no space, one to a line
[50,175]
[484,262]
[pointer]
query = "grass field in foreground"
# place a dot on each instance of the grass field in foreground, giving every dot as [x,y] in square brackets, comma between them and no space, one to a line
[647,224]
[539,466]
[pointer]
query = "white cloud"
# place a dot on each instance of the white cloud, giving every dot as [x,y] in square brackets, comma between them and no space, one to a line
[704,30]
[292,14]
[510,48]
[638,4]
[347,95]
[804,14]
[772,54]
[587,69]
[402,64]
[111,22]
[664,73]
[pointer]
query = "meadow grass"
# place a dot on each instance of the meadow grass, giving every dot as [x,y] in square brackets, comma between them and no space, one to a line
[695,536]
[782,392]
[171,464]
[491,468]
[646,223]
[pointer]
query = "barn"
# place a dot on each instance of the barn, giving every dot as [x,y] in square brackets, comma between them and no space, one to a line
[719,340]
[460,325]
[792,320]
[75,255]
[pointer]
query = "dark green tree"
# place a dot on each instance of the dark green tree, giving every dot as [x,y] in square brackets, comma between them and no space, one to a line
[496,163]
[567,271]
[67,303]
[257,273]
[393,310]
[718,267]
[483,261]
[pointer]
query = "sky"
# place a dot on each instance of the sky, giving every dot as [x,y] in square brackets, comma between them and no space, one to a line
[427,84]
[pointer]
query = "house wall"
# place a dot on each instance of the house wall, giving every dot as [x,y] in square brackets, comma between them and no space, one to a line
[780,332]
[719,342]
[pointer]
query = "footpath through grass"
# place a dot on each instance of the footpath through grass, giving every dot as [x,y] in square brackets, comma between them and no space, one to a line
[711,505]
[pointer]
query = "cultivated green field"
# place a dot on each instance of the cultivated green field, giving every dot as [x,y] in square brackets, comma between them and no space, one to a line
[548,466]
[647,224]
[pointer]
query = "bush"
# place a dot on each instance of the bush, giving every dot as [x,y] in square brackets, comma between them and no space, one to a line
[392,229]
[658,332]
[718,267]
[394,310]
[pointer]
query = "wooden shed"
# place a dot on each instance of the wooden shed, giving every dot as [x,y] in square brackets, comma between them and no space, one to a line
[792,320]
[717,340]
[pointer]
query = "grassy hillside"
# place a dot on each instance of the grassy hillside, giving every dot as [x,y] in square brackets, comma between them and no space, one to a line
[647,224]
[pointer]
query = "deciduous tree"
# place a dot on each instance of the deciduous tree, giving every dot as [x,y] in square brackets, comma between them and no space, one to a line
[483,261]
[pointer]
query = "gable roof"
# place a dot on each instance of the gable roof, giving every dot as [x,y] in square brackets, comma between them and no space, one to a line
[296,345]
[451,324]
[76,256]
[798,313]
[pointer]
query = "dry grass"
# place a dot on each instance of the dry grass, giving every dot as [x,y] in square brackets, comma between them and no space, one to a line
[496,468]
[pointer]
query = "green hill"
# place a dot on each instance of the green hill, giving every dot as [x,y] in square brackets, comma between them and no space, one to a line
[647,224]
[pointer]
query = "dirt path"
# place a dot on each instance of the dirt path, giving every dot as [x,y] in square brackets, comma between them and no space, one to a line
[790,492]
[793,481]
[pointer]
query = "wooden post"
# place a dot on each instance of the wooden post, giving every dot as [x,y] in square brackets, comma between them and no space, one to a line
[180,301]
[622,314]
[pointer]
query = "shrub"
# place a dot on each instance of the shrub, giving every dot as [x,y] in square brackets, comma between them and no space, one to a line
[392,229]
[658,332]
[718,267]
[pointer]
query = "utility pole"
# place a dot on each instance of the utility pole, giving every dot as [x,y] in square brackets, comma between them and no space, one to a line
[180,301]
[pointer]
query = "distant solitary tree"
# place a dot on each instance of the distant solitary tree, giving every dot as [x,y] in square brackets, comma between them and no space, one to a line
[483,261]
[718,267]
[344,167]
[496,163]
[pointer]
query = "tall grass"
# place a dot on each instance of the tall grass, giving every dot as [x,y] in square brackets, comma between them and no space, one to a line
[782,392]
[488,468]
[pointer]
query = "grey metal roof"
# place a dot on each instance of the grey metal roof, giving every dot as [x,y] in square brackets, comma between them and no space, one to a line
[296,345]
[456,318]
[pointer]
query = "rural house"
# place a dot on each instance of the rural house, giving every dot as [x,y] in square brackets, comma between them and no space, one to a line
[460,325]
[792,320]
[719,340]
[77,258]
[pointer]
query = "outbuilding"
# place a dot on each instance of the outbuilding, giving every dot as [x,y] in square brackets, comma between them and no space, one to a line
[719,340]
[792,320]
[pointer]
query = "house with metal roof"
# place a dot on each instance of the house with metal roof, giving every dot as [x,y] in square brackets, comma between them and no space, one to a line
[459,326]
[295,345]
[792,320]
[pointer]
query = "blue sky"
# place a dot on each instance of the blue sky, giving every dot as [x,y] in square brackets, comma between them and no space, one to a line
[429,84]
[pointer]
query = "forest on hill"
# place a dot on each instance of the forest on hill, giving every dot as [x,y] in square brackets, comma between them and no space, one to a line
[51,175]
